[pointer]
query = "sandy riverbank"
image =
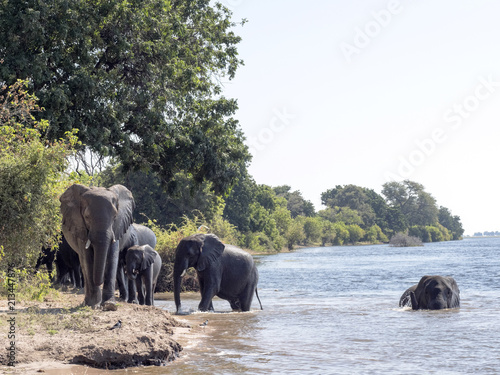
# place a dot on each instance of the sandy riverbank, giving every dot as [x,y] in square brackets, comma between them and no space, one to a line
[56,334]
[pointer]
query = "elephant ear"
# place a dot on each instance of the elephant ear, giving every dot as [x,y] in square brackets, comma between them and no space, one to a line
[125,206]
[211,250]
[73,224]
[455,293]
[148,257]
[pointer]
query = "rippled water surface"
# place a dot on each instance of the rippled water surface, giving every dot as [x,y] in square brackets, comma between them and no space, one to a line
[334,310]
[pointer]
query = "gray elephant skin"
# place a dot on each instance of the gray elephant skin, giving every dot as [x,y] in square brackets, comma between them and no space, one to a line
[137,234]
[143,266]
[432,293]
[223,270]
[94,221]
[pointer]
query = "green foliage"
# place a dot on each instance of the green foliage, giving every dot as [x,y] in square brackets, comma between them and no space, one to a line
[374,234]
[31,177]
[140,80]
[417,206]
[295,234]
[312,229]
[328,233]
[342,234]
[355,233]
[296,204]
[452,223]
[28,287]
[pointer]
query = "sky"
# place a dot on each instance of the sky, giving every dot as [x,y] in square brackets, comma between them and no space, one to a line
[365,92]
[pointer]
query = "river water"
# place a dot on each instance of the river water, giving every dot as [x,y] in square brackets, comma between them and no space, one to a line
[334,310]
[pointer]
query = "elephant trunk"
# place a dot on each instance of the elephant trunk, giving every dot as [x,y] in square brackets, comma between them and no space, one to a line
[100,243]
[180,268]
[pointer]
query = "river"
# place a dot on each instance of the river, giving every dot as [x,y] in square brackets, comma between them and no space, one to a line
[334,310]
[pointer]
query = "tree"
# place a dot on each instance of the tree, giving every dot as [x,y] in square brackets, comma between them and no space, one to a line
[417,206]
[312,229]
[31,171]
[295,202]
[140,80]
[355,233]
[452,223]
[353,197]
[184,199]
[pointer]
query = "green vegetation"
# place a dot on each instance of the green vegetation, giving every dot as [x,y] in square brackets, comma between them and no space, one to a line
[134,89]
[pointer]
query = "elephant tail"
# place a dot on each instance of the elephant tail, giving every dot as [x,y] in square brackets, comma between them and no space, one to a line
[257,294]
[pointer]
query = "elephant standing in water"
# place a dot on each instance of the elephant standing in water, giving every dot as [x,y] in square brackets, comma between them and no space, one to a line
[432,293]
[94,221]
[223,270]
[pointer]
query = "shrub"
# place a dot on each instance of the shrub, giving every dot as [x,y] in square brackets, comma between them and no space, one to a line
[404,240]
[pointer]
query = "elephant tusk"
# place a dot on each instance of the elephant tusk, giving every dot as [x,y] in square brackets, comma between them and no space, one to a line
[87,245]
[183,273]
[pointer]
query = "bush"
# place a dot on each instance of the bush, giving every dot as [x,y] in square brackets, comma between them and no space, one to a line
[404,240]
[31,171]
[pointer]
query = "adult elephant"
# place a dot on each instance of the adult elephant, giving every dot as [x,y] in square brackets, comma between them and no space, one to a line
[432,293]
[136,235]
[223,270]
[94,221]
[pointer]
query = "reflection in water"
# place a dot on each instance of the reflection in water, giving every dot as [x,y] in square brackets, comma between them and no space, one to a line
[335,311]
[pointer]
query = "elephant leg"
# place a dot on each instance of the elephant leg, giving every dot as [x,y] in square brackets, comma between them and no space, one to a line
[121,279]
[140,290]
[207,294]
[235,304]
[93,294]
[108,293]
[246,297]
[132,292]
[148,284]
[78,278]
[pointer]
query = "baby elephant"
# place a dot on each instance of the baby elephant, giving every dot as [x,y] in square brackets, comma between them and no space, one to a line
[432,293]
[143,265]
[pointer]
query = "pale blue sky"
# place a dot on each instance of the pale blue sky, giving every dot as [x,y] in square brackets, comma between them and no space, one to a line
[359,92]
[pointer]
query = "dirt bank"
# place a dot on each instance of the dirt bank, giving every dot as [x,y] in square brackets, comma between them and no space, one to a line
[63,331]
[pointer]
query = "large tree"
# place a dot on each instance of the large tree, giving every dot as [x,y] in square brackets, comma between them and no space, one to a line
[415,204]
[140,79]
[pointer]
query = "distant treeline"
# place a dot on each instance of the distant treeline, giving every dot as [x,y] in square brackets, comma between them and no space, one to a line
[480,234]
[264,218]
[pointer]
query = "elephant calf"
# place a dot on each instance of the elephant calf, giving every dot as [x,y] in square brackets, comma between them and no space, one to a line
[143,265]
[432,293]
[223,270]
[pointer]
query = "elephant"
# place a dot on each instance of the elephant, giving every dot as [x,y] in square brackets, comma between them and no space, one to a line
[94,221]
[136,235]
[46,257]
[68,265]
[223,270]
[432,293]
[143,266]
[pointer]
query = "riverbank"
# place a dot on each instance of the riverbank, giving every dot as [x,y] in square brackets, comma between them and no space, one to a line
[58,332]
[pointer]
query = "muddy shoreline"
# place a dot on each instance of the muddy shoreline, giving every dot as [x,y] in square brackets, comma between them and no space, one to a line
[60,333]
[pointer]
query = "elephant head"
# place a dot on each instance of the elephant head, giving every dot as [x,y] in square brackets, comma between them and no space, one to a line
[138,259]
[435,293]
[198,251]
[94,219]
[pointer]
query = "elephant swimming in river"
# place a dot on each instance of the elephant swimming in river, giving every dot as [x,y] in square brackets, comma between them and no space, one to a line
[432,293]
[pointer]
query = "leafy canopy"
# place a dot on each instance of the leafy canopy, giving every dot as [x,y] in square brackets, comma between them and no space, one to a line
[140,79]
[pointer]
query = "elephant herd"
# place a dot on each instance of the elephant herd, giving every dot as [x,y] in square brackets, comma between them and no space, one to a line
[114,252]
[97,225]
